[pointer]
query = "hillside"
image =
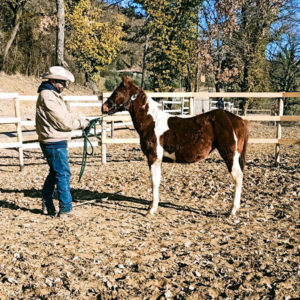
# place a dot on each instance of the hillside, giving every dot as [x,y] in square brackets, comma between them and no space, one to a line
[28,85]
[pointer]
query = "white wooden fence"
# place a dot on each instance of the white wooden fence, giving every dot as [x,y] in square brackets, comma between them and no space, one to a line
[75,101]
[186,98]
[191,96]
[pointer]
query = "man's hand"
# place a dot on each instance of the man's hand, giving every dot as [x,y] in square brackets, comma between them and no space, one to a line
[85,123]
[91,124]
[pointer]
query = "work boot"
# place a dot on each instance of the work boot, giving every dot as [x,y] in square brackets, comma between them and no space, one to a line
[50,211]
[68,214]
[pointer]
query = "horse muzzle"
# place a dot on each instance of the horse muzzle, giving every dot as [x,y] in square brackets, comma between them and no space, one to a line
[106,109]
[109,111]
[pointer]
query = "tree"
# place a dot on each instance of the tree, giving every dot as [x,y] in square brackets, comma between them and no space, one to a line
[171,28]
[285,69]
[285,66]
[93,40]
[31,50]
[132,56]
[217,23]
[252,38]
[60,39]
[16,8]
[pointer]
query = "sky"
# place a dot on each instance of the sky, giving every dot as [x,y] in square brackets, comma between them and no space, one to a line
[126,3]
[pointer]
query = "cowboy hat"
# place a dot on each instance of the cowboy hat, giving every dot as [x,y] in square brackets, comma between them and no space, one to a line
[60,73]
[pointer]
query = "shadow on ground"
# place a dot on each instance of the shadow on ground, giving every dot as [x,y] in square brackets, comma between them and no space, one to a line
[82,197]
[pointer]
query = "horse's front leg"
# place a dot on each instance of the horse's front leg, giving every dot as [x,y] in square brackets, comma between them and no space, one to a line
[155,170]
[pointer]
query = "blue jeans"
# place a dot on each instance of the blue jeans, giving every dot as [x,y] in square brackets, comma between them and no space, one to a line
[59,175]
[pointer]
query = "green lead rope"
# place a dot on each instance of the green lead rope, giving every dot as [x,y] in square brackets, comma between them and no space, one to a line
[86,133]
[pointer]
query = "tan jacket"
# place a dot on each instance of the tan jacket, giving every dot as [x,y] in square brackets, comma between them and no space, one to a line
[53,120]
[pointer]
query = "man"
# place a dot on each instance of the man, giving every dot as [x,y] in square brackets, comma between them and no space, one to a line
[220,104]
[54,124]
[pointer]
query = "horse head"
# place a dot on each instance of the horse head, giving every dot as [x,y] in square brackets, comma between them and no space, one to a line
[121,97]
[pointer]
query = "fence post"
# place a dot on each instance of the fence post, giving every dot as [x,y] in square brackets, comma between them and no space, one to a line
[103,141]
[112,128]
[182,105]
[103,135]
[191,104]
[19,132]
[279,129]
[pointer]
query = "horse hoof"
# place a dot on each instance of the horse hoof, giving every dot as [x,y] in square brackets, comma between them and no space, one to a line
[233,211]
[150,213]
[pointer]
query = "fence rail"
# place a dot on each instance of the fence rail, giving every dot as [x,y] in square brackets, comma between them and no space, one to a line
[191,96]
[17,120]
[124,119]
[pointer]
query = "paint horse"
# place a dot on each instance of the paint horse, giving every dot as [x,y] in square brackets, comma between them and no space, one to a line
[181,140]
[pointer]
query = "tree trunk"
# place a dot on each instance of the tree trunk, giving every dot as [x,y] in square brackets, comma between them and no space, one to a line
[89,82]
[60,38]
[94,87]
[187,80]
[197,76]
[12,38]
[245,88]
[218,86]
[245,106]
[144,62]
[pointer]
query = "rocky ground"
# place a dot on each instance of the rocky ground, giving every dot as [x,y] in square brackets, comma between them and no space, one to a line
[189,250]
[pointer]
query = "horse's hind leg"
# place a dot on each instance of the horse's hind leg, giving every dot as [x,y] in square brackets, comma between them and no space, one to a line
[231,157]
[237,176]
[155,170]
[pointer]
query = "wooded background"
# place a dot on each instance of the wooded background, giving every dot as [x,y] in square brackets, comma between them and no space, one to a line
[164,45]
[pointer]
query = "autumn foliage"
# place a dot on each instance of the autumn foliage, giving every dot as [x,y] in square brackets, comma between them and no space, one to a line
[93,41]
[231,45]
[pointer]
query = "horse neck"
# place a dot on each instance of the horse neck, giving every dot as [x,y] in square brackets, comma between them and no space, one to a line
[141,110]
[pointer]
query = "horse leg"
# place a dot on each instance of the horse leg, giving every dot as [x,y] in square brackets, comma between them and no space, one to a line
[155,170]
[237,176]
[231,157]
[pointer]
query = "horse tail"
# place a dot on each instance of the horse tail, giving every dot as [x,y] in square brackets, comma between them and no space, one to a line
[242,158]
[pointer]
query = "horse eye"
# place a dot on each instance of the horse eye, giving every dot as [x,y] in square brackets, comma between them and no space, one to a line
[110,103]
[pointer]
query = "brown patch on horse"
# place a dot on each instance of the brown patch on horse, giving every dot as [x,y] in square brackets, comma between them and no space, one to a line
[188,139]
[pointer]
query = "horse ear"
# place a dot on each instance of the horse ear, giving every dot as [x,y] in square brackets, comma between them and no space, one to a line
[126,80]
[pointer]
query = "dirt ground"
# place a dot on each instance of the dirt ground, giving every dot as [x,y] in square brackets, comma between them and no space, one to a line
[190,249]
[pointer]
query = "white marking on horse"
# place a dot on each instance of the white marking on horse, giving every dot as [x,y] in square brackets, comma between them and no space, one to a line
[170,155]
[133,97]
[155,176]
[160,120]
[160,124]
[237,176]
